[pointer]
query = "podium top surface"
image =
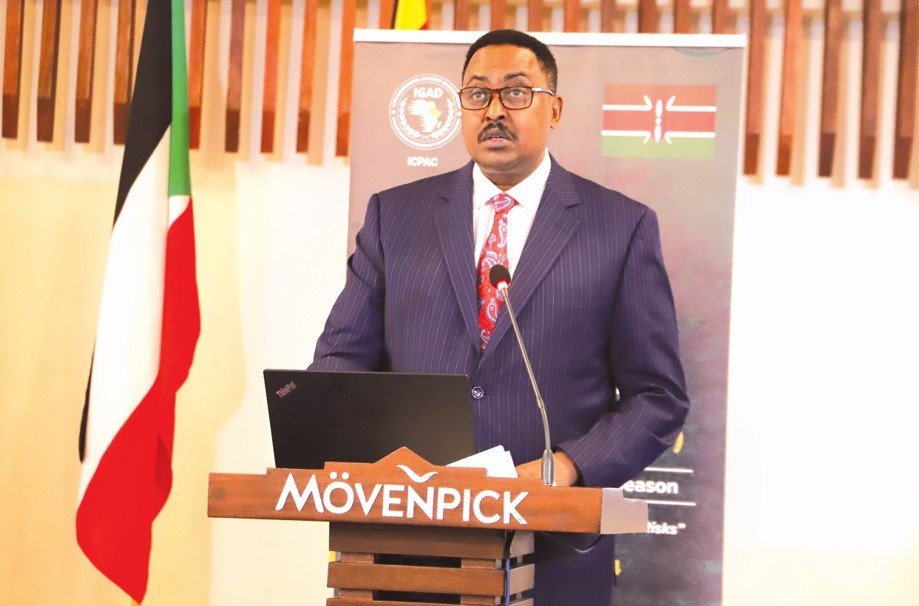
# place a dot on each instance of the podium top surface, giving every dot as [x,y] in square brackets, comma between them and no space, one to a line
[405,489]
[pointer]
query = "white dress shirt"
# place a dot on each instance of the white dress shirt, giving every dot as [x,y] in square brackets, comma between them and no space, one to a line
[527,193]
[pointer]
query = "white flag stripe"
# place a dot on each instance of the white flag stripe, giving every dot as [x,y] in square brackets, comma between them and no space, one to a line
[644,107]
[690,134]
[127,350]
[177,206]
[625,133]
[686,134]
[708,109]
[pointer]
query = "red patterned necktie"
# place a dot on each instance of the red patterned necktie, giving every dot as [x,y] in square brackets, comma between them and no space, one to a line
[493,253]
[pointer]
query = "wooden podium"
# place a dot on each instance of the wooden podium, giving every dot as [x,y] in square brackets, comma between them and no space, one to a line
[405,530]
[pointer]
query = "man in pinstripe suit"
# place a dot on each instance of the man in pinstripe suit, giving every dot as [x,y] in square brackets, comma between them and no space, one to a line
[590,289]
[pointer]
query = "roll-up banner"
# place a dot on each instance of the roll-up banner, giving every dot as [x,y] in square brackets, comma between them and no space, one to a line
[656,117]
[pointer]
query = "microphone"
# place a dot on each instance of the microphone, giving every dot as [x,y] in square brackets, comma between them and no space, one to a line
[500,278]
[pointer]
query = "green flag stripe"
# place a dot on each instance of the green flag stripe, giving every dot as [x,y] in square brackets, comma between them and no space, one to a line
[634,147]
[179,178]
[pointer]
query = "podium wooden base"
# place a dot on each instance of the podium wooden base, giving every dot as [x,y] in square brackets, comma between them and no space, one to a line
[389,565]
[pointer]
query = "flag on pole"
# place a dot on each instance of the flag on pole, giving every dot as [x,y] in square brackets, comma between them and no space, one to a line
[411,14]
[658,121]
[148,319]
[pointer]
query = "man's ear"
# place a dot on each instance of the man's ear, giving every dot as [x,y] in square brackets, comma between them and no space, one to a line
[557,105]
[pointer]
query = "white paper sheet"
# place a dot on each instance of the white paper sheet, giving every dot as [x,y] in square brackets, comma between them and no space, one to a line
[497,462]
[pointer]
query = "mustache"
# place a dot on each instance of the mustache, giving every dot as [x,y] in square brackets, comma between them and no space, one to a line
[495,128]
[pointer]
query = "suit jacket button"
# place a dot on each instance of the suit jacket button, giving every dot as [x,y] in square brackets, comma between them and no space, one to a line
[478,393]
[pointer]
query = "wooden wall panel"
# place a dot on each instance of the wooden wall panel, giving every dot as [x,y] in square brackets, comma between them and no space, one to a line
[872,35]
[461,10]
[608,15]
[721,17]
[535,15]
[124,69]
[12,68]
[196,54]
[829,104]
[756,52]
[682,17]
[387,13]
[343,124]
[649,17]
[307,72]
[572,12]
[85,60]
[270,81]
[905,123]
[794,32]
[130,14]
[47,69]
[498,14]
[235,75]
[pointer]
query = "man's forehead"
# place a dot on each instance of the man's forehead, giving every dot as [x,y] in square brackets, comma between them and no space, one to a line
[502,62]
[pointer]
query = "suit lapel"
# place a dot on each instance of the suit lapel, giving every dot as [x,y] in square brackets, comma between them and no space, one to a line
[552,229]
[454,228]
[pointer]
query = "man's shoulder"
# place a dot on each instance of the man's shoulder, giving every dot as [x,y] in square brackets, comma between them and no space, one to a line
[425,187]
[605,199]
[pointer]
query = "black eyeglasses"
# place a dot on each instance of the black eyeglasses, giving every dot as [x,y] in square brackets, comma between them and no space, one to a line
[511,97]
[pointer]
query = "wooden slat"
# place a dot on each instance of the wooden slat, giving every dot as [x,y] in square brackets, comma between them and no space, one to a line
[427,540]
[498,13]
[390,577]
[270,82]
[124,69]
[607,15]
[196,50]
[387,13]
[47,68]
[649,17]
[756,51]
[907,75]
[535,10]
[343,126]
[682,17]
[872,36]
[461,10]
[829,102]
[12,70]
[307,69]
[361,596]
[479,564]
[572,15]
[794,31]
[721,17]
[85,55]
[358,558]
[235,75]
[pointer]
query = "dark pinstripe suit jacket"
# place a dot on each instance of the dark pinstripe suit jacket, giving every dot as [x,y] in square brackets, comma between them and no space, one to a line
[596,310]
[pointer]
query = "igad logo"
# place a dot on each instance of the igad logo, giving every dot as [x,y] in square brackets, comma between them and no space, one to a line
[406,501]
[424,112]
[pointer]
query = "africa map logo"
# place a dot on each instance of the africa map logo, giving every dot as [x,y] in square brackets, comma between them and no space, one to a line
[658,121]
[424,111]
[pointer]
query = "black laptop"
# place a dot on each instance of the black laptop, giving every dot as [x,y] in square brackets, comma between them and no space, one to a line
[363,416]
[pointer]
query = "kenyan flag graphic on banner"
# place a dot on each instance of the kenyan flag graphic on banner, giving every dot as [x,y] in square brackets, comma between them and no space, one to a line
[658,121]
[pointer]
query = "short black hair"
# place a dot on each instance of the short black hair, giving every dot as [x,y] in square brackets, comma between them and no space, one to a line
[513,37]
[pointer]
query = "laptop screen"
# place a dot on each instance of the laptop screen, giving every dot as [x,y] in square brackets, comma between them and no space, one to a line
[363,416]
